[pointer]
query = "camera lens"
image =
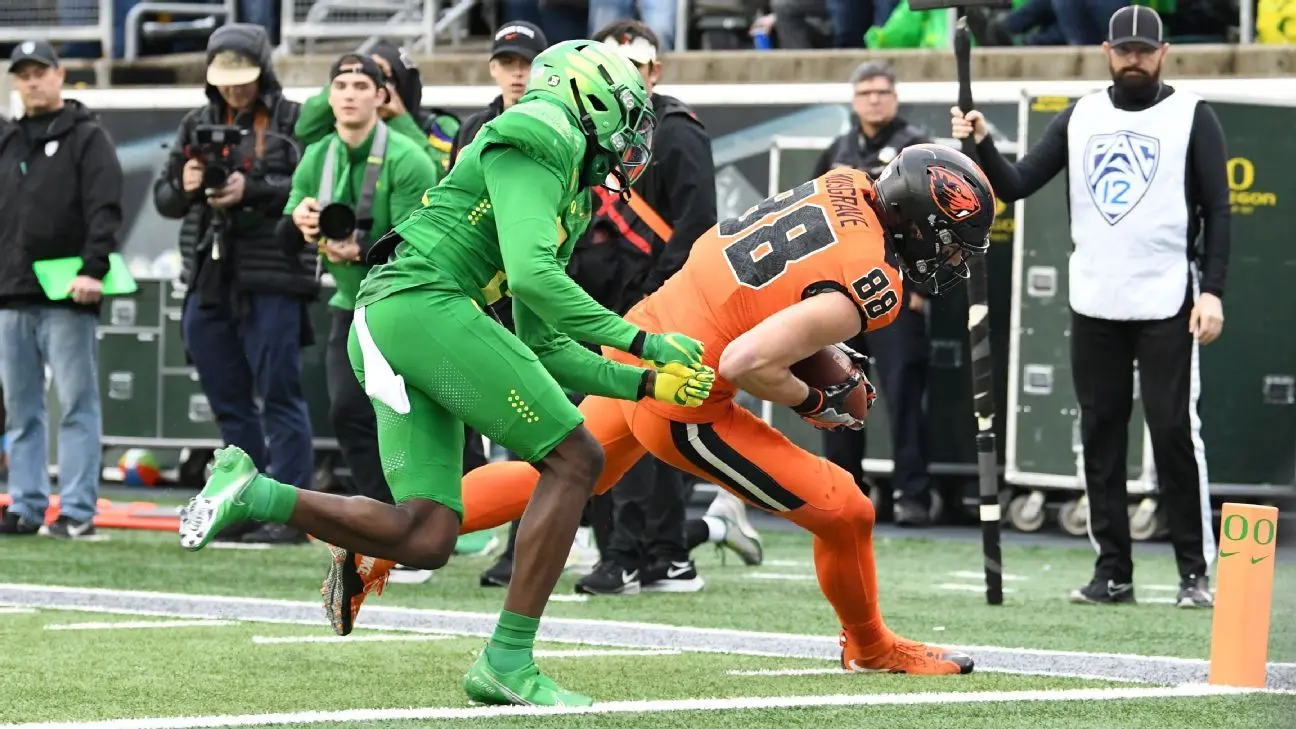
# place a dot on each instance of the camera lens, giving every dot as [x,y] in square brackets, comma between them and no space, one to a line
[337,221]
[214,177]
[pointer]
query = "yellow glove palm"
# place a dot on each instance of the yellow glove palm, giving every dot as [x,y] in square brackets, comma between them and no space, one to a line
[682,385]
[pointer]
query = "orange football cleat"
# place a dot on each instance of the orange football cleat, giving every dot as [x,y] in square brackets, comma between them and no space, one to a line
[907,656]
[350,579]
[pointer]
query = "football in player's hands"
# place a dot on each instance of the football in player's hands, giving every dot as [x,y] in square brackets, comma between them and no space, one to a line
[832,366]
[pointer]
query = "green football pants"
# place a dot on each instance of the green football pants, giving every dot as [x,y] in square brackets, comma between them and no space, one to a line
[431,361]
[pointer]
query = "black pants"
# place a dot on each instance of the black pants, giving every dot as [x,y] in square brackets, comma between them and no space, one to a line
[249,352]
[648,515]
[1102,365]
[902,354]
[352,414]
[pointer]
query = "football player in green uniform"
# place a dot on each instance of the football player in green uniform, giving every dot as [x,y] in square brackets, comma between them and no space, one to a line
[502,223]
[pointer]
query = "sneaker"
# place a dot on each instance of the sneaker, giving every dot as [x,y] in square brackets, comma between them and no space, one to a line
[526,686]
[350,579]
[740,536]
[1104,592]
[14,525]
[219,504]
[1195,592]
[476,544]
[909,512]
[584,554]
[406,575]
[609,578]
[499,573]
[668,576]
[67,528]
[906,656]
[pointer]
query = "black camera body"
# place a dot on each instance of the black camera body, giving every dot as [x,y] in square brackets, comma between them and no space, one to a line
[216,145]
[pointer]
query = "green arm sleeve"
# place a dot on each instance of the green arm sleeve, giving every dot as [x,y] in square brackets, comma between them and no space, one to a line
[316,119]
[525,197]
[573,366]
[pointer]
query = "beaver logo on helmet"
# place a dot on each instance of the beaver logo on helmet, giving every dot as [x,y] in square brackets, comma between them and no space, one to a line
[953,195]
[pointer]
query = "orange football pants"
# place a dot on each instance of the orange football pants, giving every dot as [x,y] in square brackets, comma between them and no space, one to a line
[743,454]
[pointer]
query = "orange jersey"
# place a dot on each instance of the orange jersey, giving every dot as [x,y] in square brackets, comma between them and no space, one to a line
[819,235]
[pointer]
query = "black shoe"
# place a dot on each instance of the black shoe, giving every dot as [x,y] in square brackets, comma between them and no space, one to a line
[670,576]
[67,528]
[11,524]
[609,578]
[1194,592]
[499,573]
[276,534]
[1104,592]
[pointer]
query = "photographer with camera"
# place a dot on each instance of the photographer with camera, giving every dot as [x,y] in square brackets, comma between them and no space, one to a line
[246,319]
[352,187]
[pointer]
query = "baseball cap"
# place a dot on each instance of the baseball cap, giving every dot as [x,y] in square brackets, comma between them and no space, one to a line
[519,38]
[1135,24]
[37,51]
[231,68]
[358,63]
[636,48]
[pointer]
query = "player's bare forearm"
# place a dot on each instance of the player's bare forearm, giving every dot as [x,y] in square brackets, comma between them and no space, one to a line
[759,360]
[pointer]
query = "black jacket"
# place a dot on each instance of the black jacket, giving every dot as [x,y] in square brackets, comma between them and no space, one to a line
[60,196]
[250,259]
[620,261]
[473,124]
[870,154]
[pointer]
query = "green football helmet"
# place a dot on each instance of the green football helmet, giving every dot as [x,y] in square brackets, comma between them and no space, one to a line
[608,97]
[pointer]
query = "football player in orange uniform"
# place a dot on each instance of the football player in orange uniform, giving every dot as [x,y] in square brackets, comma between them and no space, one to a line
[803,270]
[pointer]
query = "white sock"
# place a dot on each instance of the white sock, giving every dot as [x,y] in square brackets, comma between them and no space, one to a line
[716,529]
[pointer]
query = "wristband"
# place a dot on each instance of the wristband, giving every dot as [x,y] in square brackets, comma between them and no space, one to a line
[637,344]
[812,403]
[645,384]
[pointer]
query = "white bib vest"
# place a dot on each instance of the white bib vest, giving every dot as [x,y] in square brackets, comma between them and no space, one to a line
[1129,212]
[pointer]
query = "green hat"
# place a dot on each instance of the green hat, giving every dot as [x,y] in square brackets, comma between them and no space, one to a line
[606,93]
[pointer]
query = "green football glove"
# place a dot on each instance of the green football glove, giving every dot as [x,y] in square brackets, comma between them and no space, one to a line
[667,348]
[680,385]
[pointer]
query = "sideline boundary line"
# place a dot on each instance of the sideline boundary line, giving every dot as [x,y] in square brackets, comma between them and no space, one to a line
[1148,669]
[646,707]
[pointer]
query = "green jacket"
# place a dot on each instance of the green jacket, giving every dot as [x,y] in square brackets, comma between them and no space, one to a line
[407,173]
[906,28]
[317,120]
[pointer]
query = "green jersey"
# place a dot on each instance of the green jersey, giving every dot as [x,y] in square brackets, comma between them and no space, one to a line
[504,223]
[406,173]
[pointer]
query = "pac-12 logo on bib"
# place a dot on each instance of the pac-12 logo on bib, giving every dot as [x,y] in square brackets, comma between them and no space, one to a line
[1119,169]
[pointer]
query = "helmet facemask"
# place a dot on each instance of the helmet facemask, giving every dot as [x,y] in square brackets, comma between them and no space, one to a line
[631,144]
[935,257]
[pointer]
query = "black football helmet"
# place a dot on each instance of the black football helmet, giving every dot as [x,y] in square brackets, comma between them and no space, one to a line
[937,207]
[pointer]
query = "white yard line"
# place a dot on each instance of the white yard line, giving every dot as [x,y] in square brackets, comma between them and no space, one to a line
[645,707]
[15,610]
[378,638]
[790,576]
[964,587]
[970,575]
[596,653]
[568,598]
[785,563]
[771,672]
[140,624]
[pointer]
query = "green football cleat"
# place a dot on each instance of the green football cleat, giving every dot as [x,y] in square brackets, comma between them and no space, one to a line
[526,686]
[220,504]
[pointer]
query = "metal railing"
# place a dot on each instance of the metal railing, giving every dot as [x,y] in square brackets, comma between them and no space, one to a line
[57,20]
[220,13]
[418,22]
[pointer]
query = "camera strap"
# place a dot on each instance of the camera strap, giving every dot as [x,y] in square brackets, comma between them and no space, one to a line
[373,168]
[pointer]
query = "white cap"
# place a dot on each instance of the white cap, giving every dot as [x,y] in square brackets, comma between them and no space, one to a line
[637,50]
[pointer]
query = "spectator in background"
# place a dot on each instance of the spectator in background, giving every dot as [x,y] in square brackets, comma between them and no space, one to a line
[245,309]
[901,351]
[516,45]
[658,15]
[60,197]
[381,175]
